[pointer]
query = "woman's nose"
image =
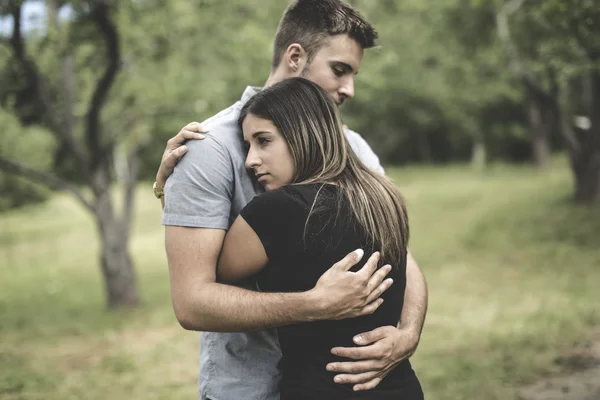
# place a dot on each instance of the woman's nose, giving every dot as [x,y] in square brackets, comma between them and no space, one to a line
[251,159]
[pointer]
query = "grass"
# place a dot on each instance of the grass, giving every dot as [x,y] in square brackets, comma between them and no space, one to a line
[512,267]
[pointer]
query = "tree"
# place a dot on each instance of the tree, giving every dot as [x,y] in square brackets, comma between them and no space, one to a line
[562,39]
[48,95]
[113,82]
[433,91]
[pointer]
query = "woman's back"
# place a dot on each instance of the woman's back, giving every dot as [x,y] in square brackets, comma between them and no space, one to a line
[299,253]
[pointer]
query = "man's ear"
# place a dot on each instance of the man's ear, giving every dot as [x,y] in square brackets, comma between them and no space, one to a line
[295,58]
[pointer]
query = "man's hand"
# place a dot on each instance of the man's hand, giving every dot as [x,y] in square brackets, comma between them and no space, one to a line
[341,293]
[175,149]
[382,350]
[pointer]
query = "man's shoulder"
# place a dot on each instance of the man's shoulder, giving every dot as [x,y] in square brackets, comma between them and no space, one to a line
[224,124]
[362,149]
[223,136]
[353,136]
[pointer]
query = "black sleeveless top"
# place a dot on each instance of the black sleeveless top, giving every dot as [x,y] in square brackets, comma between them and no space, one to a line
[299,253]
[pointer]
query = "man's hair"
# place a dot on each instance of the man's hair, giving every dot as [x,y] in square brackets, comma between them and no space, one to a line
[311,22]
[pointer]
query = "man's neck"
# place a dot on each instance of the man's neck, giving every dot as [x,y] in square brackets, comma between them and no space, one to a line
[277,76]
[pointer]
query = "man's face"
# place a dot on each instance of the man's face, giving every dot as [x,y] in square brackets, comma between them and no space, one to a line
[334,66]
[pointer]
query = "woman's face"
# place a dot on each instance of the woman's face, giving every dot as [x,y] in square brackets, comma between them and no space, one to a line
[268,153]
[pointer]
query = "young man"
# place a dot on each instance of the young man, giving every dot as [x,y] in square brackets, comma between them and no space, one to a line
[321,40]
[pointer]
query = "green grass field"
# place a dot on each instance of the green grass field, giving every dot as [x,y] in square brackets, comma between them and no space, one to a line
[513,269]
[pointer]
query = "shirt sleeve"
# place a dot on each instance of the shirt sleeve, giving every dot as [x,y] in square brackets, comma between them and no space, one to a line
[200,191]
[274,216]
[364,151]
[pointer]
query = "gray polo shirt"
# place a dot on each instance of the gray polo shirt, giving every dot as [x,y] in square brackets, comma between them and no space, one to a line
[208,189]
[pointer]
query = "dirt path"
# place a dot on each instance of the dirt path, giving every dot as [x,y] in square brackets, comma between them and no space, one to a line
[579,381]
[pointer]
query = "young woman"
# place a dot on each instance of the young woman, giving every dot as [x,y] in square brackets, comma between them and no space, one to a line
[320,203]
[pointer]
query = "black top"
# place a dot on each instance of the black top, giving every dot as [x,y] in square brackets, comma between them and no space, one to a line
[299,253]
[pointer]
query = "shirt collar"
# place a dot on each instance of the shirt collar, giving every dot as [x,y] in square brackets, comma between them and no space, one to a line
[249,92]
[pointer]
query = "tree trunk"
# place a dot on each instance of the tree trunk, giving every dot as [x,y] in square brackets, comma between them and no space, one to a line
[117,268]
[478,155]
[540,132]
[586,166]
[424,148]
[584,143]
[586,169]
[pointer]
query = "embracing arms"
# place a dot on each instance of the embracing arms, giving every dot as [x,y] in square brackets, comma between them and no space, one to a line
[381,350]
[199,193]
[200,303]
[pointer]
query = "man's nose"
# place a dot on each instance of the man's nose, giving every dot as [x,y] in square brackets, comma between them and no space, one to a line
[347,90]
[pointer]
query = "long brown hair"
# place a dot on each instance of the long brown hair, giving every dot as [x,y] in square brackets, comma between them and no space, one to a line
[309,121]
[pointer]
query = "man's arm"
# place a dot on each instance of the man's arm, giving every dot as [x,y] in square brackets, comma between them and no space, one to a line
[414,310]
[200,303]
[385,347]
[382,349]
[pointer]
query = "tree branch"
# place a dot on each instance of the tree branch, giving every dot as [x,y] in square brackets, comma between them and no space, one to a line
[512,7]
[111,38]
[566,117]
[44,178]
[503,30]
[130,181]
[31,69]
[67,71]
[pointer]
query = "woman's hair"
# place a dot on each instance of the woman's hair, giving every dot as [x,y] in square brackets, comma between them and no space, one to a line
[308,120]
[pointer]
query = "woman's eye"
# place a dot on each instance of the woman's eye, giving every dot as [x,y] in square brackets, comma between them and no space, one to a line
[338,72]
[262,140]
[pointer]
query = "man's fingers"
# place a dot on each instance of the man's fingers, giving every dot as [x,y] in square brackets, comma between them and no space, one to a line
[353,367]
[371,337]
[383,286]
[370,266]
[368,385]
[350,260]
[371,307]
[355,353]
[355,378]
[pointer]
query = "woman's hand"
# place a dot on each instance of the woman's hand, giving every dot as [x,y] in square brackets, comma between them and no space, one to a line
[175,149]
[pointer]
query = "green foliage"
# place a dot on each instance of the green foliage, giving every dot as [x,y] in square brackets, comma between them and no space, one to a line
[175,73]
[31,146]
[435,86]
[440,82]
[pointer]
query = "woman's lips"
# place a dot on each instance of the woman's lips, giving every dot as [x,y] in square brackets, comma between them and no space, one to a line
[261,177]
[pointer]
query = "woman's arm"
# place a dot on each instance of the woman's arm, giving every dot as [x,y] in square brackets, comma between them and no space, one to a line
[243,254]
